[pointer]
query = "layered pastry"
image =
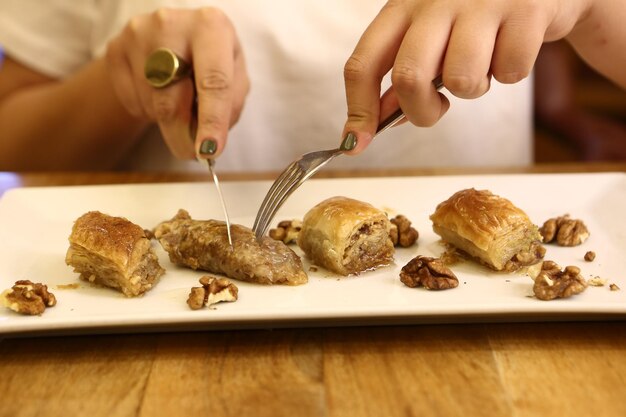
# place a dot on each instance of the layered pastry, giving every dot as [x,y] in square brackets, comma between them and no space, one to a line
[489,228]
[346,236]
[203,245]
[113,252]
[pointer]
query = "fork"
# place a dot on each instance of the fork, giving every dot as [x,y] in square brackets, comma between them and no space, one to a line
[304,168]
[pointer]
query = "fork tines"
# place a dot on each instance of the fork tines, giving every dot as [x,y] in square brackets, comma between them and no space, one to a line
[284,185]
[295,174]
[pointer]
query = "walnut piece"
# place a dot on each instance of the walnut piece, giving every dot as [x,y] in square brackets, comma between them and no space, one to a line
[613,287]
[287,231]
[564,230]
[213,291]
[430,273]
[552,282]
[590,256]
[401,233]
[26,297]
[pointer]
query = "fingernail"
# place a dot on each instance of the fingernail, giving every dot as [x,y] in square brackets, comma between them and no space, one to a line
[208,147]
[349,142]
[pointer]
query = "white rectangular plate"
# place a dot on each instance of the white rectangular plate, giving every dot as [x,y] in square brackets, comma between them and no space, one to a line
[35,224]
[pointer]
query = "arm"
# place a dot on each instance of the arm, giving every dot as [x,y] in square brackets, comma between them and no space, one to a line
[468,43]
[51,125]
[600,39]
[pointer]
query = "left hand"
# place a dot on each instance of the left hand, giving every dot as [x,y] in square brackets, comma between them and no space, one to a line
[465,41]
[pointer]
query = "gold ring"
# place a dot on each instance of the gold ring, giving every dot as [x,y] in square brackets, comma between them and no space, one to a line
[164,67]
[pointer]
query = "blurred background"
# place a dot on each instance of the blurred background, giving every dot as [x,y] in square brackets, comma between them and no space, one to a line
[579,115]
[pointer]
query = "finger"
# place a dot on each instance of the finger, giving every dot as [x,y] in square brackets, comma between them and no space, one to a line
[468,56]
[389,104]
[135,57]
[372,58]
[241,87]
[517,46]
[418,63]
[214,54]
[174,115]
[122,79]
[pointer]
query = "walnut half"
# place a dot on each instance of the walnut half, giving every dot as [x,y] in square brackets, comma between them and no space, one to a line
[552,282]
[430,273]
[213,291]
[401,233]
[27,297]
[564,230]
[287,231]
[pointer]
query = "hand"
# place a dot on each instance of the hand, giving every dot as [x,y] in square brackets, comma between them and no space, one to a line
[467,42]
[206,39]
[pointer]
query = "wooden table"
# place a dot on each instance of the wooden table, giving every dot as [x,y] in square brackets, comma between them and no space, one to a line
[521,369]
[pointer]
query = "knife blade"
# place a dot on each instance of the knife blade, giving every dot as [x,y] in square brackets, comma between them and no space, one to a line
[211,164]
[193,126]
[163,68]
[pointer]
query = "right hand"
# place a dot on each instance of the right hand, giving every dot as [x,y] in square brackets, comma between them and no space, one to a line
[203,37]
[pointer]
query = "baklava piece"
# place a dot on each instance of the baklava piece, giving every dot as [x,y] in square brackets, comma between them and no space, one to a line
[203,245]
[489,228]
[113,252]
[346,236]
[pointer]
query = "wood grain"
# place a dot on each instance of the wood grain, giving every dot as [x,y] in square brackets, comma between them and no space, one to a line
[510,370]
[523,369]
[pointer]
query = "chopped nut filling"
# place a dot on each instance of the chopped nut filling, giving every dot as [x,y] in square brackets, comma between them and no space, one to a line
[401,233]
[26,297]
[287,231]
[552,282]
[427,272]
[533,255]
[213,291]
[564,230]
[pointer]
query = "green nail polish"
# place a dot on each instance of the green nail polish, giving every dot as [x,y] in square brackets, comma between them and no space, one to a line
[349,142]
[208,147]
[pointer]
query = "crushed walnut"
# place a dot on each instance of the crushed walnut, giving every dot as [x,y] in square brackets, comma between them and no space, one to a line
[71,286]
[552,282]
[597,282]
[614,287]
[430,273]
[213,291]
[27,297]
[287,231]
[590,256]
[401,233]
[564,230]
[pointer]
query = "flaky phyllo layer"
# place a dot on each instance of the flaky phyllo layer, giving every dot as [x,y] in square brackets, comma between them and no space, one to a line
[489,228]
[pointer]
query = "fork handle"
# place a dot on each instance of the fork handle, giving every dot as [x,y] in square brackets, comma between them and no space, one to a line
[398,115]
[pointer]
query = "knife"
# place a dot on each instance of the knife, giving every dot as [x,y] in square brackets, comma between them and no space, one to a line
[211,164]
[163,68]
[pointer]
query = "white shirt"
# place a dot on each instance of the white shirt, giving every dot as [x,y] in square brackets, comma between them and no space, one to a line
[295,51]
